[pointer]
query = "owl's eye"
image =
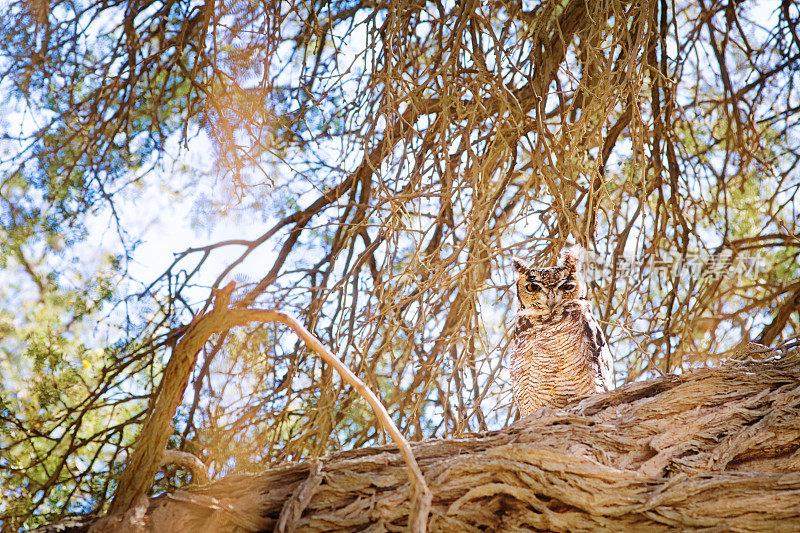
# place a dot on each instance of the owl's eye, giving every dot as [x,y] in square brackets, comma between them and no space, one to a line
[567,286]
[532,287]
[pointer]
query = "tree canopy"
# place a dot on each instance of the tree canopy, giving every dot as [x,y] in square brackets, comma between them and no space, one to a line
[382,162]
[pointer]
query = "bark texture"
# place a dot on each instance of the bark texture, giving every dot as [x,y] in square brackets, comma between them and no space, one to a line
[712,450]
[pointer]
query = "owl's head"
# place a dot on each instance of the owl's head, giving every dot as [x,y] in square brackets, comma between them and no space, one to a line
[547,290]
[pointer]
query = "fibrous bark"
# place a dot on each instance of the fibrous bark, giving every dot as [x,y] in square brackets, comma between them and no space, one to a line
[713,449]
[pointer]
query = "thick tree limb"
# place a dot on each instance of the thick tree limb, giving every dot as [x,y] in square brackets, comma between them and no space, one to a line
[714,448]
[140,472]
[294,506]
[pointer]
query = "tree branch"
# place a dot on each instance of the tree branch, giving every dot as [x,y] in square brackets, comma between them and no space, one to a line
[139,474]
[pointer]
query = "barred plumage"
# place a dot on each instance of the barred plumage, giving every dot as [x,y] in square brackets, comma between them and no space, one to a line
[559,352]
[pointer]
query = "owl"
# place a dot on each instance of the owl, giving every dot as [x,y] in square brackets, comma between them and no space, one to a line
[559,352]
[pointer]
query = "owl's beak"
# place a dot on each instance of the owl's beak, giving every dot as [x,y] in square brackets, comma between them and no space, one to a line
[551,300]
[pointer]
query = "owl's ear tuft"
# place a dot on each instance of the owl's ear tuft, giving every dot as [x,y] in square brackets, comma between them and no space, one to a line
[519,265]
[572,257]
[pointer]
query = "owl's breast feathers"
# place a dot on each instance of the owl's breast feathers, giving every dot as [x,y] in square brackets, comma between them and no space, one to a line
[558,357]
